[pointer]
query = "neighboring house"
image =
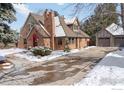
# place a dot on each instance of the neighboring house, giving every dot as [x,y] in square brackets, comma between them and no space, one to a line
[112,36]
[51,31]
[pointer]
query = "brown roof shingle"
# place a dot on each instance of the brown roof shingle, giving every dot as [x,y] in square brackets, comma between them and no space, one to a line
[69,32]
[40,30]
[82,34]
[38,17]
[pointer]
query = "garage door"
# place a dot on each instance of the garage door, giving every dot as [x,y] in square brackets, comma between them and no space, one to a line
[104,42]
[119,42]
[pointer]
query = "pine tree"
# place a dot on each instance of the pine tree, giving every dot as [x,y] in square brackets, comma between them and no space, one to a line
[7,16]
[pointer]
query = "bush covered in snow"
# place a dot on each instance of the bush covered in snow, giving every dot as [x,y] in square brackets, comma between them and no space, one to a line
[67,49]
[42,51]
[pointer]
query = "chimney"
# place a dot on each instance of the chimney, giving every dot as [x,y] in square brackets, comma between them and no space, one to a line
[49,24]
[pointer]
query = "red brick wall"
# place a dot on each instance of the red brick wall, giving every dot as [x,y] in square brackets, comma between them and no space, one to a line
[83,42]
[49,24]
[23,34]
[72,45]
[59,47]
[46,42]
[77,42]
[41,40]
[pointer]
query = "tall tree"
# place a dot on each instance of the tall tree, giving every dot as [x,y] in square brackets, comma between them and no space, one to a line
[78,7]
[100,19]
[122,14]
[7,16]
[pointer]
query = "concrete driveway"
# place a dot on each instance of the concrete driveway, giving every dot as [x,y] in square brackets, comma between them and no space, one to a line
[65,70]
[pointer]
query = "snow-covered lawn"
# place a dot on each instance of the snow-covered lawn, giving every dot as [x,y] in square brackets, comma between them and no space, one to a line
[109,71]
[4,52]
[25,54]
[21,53]
[29,56]
[89,47]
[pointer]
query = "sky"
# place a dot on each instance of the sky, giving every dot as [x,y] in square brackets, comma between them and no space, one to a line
[22,11]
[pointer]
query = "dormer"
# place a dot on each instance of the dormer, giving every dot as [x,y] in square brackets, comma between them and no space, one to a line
[73,24]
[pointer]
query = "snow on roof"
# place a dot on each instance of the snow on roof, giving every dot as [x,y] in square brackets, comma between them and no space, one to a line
[114,29]
[70,21]
[59,31]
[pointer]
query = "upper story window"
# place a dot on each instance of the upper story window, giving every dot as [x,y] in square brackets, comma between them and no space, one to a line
[75,27]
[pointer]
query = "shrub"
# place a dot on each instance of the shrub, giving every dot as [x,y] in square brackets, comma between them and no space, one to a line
[47,51]
[67,49]
[42,51]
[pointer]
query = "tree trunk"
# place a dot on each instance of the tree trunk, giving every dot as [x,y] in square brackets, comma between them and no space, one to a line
[122,14]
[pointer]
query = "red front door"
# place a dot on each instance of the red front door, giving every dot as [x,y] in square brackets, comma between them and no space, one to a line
[35,40]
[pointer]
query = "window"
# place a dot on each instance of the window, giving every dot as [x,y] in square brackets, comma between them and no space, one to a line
[75,27]
[25,41]
[71,40]
[59,41]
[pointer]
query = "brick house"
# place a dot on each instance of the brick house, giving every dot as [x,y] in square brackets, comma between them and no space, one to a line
[51,31]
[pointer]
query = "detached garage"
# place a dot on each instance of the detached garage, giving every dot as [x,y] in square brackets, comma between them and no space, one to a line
[112,36]
[104,42]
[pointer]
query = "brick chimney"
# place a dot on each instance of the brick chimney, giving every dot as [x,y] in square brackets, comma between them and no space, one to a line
[49,24]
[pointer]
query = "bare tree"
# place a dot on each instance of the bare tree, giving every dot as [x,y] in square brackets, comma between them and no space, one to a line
[78,7]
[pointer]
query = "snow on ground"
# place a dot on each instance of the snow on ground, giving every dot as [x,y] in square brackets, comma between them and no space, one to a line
[29,56]
[109,71]
[4,52]
[89,47]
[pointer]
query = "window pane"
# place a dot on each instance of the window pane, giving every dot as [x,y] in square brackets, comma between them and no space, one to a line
[59,41]
[25,41]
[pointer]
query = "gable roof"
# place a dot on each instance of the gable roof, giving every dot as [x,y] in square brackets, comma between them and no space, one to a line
[114,29]
[40,30]
[62,30]
[38,17]
[83,34]
[68,31]
[59,31]
[40,25]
